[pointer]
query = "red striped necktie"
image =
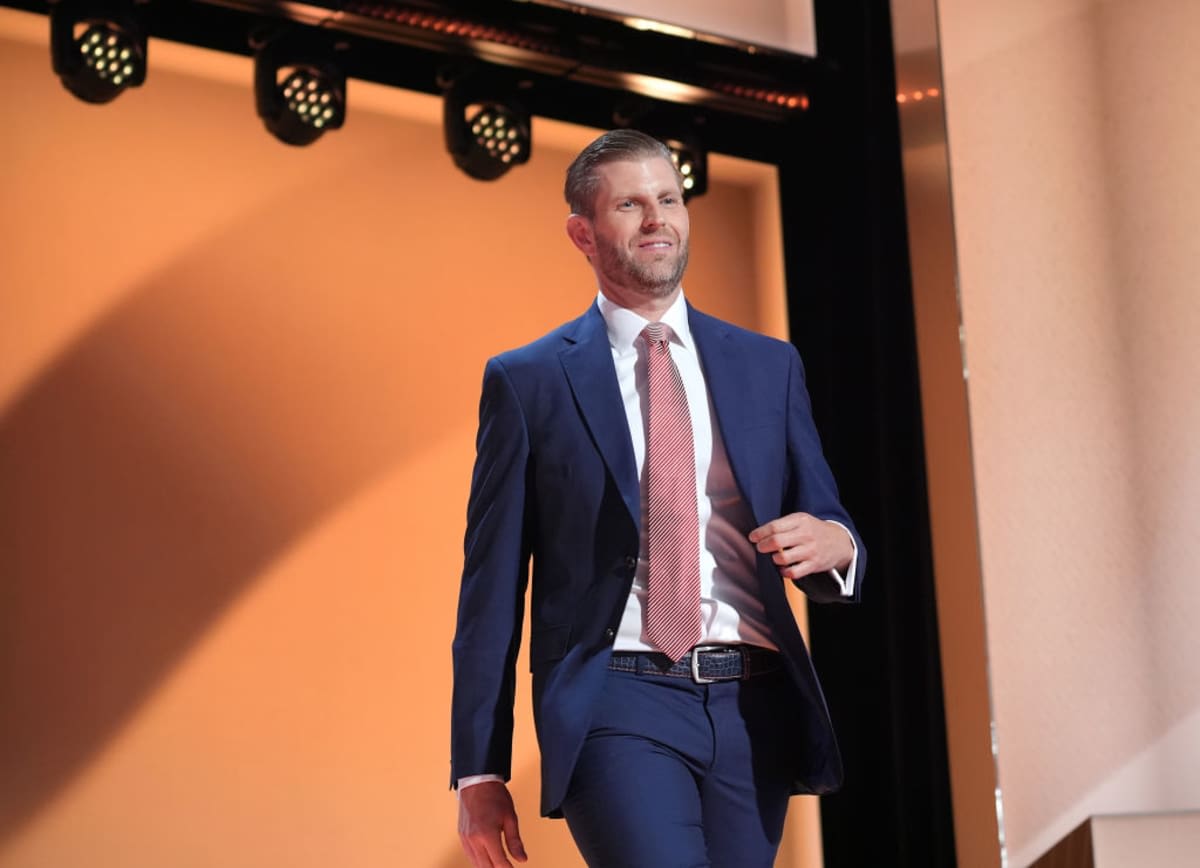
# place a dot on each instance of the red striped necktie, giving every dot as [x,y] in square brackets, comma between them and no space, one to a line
[672,524]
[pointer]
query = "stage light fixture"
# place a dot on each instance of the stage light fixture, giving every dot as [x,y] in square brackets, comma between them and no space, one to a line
[681,135]
[485,136]
[692,163]
[97,48]
[299,91]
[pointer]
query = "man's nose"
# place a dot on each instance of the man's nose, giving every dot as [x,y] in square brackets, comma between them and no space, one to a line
[652,217]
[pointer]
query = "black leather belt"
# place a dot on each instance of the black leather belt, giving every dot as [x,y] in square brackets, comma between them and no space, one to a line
[704,664]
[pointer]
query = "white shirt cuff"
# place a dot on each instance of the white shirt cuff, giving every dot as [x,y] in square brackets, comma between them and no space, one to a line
[846,582]
[472,780]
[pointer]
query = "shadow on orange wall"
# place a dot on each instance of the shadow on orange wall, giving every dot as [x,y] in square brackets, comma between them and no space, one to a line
[166,458]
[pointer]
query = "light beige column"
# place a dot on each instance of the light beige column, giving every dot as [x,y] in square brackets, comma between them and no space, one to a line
[1072,133]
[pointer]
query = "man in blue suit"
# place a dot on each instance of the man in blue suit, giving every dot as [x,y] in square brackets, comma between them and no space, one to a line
[663,746]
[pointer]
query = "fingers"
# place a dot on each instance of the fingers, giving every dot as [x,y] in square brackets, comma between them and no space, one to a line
[800,569]
[493,852]
[486,851]
[477,855]
[512,837]
[801,544]
[785,532]
[761,536]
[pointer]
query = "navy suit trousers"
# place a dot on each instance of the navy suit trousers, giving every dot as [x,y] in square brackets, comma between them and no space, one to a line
[675,774]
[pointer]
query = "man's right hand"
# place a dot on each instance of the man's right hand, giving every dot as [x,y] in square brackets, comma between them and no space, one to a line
[484,811]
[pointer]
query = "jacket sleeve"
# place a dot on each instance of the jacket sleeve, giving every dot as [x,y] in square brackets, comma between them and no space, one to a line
[492,595]
[812,488]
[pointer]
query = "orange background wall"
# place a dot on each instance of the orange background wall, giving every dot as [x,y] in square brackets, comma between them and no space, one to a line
[238,386]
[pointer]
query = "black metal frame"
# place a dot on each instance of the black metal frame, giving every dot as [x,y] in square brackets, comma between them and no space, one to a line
[574,67]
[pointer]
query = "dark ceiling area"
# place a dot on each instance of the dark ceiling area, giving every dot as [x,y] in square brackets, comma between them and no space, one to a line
[565,62]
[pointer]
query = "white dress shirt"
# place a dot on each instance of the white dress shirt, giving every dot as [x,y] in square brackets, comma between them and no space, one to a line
[730,609]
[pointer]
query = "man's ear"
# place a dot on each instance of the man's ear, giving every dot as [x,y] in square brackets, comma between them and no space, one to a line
[579,230]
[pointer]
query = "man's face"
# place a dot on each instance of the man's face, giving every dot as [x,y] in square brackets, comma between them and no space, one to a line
[637,238]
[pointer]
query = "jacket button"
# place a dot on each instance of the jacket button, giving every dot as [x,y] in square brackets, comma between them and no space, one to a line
[631,563]
[610,633]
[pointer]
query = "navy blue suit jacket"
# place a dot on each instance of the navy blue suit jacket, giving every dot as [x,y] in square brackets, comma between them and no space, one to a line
[555,481]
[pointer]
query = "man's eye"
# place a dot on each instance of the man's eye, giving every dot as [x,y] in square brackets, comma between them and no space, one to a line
[669,200]
[627,203]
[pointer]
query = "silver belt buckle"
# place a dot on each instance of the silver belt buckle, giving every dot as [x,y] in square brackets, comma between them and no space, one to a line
[696,677]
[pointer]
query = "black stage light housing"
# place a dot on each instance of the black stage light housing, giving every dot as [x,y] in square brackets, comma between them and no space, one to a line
[679,131]
[98,47]
[299,89]
[486,130]
[692,162]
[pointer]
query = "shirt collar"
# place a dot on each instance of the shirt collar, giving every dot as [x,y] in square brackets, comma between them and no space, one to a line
[625,326]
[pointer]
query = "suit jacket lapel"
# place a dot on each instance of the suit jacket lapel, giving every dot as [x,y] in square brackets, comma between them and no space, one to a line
[727,372]
[587,361]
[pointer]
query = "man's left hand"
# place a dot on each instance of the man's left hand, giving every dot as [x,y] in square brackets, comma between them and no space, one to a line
[801,544]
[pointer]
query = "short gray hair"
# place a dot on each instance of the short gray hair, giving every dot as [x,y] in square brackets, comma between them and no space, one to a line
[583,179]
